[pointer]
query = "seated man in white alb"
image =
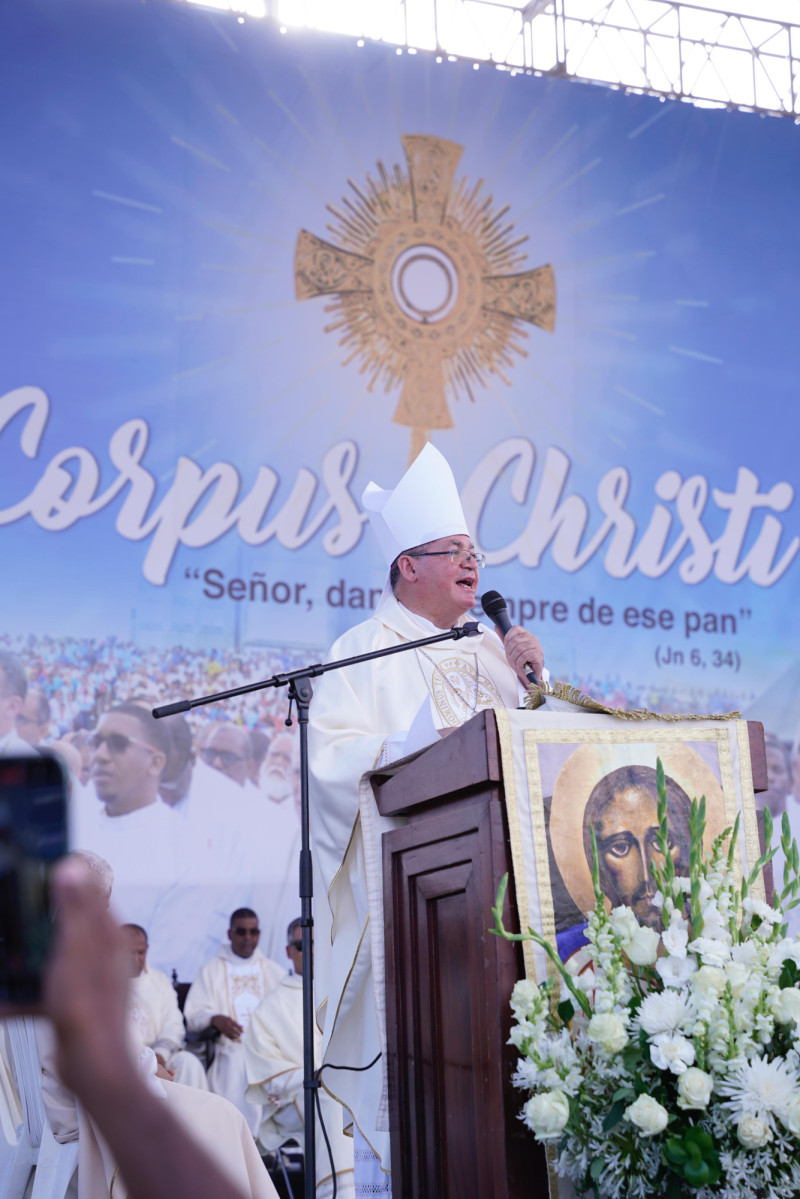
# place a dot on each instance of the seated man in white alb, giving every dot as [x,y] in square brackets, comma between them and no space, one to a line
[153,1008]
[225,993]
[273,1055]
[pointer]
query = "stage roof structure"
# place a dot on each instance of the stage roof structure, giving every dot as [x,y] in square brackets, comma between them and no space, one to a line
[735,54]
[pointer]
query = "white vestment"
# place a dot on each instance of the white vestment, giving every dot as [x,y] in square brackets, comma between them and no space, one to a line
[233,848]
[209,1119]
[231,986]
[153,1008]
[139,846]
[273,1054]
[10,1110]
[356,717]
[14,746]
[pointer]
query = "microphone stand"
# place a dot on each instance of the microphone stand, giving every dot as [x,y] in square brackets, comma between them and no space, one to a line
[300,694]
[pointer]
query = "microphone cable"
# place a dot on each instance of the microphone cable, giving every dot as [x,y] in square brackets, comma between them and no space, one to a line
[318,1077]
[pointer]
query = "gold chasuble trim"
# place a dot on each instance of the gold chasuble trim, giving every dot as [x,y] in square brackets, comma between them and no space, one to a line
[517,858]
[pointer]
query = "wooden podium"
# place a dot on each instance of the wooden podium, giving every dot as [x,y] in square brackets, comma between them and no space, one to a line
[453,1111]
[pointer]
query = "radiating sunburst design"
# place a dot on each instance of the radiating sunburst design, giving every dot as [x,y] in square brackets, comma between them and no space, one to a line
[427,291]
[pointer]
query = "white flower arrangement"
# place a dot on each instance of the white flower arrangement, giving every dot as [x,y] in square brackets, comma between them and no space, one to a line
[671,1065]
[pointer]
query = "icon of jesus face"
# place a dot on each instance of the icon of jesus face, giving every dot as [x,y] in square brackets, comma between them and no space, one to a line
[623,809]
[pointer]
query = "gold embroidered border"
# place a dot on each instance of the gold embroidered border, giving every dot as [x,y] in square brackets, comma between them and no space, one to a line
[547,914]
[517,855]
[625,736]
[749,822]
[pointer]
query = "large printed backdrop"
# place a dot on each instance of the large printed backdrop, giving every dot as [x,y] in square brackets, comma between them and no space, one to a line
[244,273]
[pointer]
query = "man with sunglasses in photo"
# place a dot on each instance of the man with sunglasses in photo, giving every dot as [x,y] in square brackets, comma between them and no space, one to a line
[120,816]
[224,995]
[368,715]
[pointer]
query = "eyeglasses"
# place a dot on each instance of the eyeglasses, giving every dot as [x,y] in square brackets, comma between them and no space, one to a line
[117,742]
[226,757]
[457,556]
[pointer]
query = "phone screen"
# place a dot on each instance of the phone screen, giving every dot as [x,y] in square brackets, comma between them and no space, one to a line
[33,836]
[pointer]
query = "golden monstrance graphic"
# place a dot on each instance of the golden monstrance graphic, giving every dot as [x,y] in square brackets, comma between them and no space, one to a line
[426,284]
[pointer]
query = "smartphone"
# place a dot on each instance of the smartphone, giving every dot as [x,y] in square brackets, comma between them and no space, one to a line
[33,836]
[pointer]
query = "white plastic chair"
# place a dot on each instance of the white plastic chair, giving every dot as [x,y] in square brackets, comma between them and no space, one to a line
[36,1149]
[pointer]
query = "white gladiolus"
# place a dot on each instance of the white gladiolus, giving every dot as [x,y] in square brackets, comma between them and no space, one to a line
[714,952]
[674,971]
[648,1115]
[694,1089]
[524,997]
[675,939]
[757,907]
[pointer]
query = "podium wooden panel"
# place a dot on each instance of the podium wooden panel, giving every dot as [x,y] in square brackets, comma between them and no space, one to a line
[453,1111]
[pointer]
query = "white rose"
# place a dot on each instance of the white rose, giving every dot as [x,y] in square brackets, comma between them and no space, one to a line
[753,1132]
[786,1008]
[623,922]
[790,1116]
[642,947]
[608,1031]
[737,975]
[647,1114]
[709,981]
[694,1088]
[546,1115]
[670,1051]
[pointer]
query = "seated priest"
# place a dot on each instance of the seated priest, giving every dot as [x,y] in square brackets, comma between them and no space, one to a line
[273,1054]
[153,1008]
[365,716]
[225,994]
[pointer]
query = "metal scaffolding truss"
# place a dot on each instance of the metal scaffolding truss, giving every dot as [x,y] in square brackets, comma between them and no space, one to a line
[693,51]
[671,49]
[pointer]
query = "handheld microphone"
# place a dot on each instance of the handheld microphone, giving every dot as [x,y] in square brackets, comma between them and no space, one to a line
[496,609]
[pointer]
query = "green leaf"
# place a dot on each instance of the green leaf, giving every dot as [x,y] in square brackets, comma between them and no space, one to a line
[626,1093]
[631,1058]
[674,1152]
[596,1168]
[614,1116]
[788,976]
[566,1010]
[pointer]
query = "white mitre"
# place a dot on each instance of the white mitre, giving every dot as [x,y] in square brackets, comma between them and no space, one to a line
[424,506]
